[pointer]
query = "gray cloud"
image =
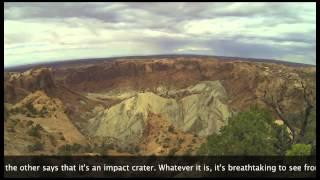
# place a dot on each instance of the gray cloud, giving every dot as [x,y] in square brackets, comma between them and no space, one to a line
[262,30]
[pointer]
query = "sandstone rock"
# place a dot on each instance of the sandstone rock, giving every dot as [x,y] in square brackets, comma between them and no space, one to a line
[18,85]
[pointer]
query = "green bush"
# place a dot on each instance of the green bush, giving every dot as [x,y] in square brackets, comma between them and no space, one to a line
[299,150]
[283,141]
[38,146]
[310,133]
[247,133]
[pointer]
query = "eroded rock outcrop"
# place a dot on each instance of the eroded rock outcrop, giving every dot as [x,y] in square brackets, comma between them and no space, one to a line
[202,111]
[205,110]
[18,85]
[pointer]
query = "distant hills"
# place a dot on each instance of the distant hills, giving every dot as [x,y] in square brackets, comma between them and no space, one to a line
[70,62]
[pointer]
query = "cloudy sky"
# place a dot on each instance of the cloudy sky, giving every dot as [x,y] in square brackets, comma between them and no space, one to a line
[36,32]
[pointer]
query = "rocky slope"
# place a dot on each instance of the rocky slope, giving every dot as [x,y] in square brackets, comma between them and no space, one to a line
[160,137]
[39,121]
[18,85]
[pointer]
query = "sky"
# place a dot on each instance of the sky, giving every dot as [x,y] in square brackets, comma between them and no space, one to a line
[44,32]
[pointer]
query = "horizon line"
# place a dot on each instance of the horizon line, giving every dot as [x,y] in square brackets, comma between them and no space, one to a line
[149,55]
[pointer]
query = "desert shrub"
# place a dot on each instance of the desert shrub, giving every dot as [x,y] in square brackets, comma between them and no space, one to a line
[172,152]
[165,146]
[188,152]
[171,128]
[180,141]
[62,138]
[133,149]
[76,147]
[88,149]
[35,131]
[15,110]
[44,111]
[14,122]
[104,147]
[31,109]
[29,123]
[29,115]
[37,146]
[52,140]
[166,140]
[69,149]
